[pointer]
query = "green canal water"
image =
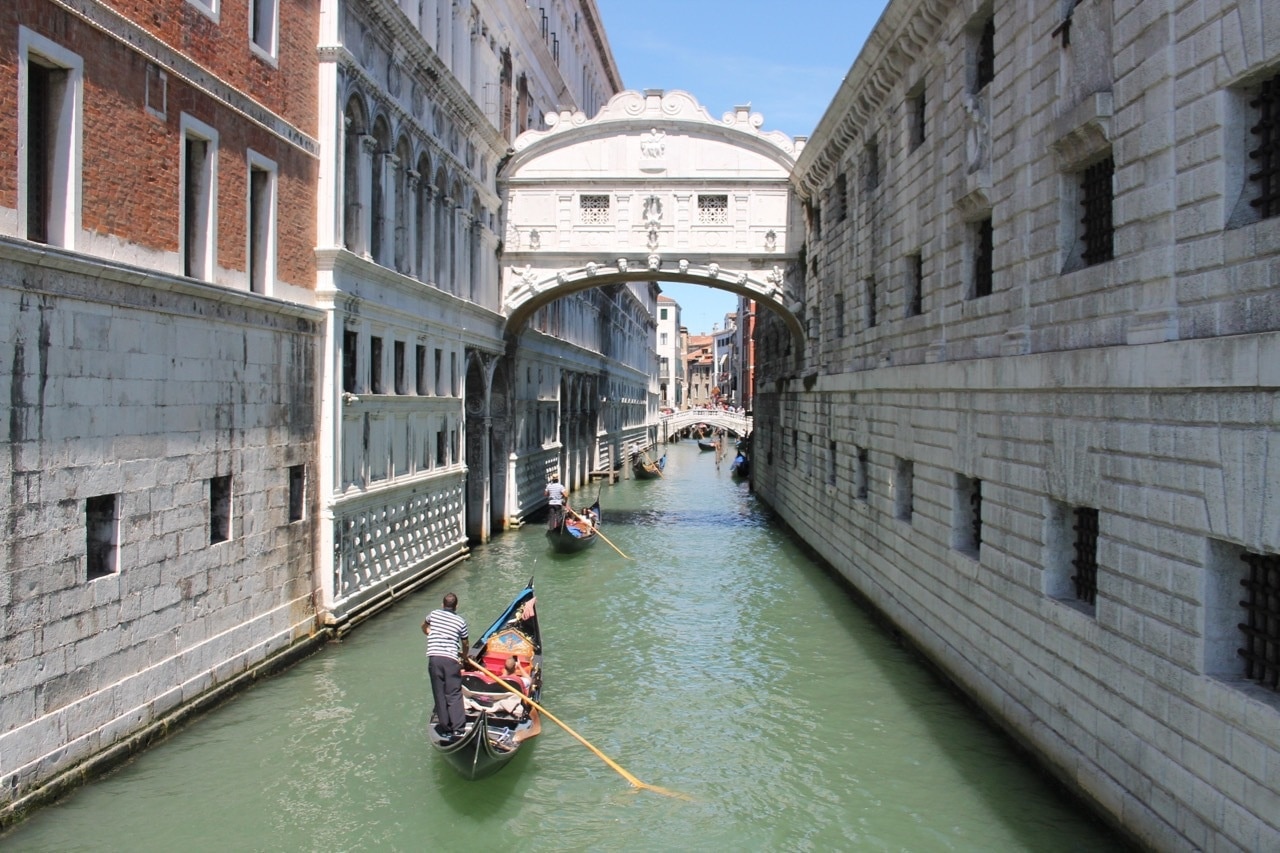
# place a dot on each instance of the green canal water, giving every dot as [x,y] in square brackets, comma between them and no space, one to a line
[718,662]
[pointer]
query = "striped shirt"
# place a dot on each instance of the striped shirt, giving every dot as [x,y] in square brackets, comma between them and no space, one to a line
[447,631]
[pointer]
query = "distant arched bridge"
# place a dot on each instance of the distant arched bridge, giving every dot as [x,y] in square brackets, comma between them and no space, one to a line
[719,418]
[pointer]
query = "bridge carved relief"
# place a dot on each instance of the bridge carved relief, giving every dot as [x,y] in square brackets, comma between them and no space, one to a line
[650,189]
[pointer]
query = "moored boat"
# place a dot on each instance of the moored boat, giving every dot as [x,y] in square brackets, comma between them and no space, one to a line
[498,722]
[645,469]
[575,532]
[705,445]
[741,466]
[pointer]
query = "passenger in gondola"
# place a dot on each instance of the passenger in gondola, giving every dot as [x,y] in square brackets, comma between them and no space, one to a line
[512,675]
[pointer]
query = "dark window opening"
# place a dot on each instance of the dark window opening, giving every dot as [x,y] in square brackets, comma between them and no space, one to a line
[42,82]
[1266,154]
[375,365]
[259,228]
[916,116]
[1260,648]
[398,359]
[297,491]
[420,364]
[195,200]
[1096,195]
[915,284]
[985,57]
[350,341]
[983,250]
[1085,562]
[219,509]
[101,527]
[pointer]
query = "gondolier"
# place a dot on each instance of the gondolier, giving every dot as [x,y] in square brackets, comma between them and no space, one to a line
[556,494]
[446,641]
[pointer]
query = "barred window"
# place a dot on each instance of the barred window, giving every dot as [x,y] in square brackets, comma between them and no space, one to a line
[713,210]
[1260,628]
[1264,157]
[983,249]
[594,209]
[1096,197]
[1086,555]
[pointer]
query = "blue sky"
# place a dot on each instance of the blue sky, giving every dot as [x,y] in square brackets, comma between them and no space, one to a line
[784,59]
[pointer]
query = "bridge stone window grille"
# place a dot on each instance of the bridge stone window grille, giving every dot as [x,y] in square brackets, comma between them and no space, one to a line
[862,474]
[984,58]
[915,284]
[1096,197]
[1085,563]
[967,518]
[1265,156]
[983,252]
[713,210]
[1261,626]
[594,209]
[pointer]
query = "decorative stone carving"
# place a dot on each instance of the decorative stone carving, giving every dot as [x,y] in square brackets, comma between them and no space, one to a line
[977,134]
[652,211]
[591,268]
[535,239]
[713,270]
[655,262]
[770,240]
[622,264]
[684,265]
[653,239]
[394,79]
[653,145]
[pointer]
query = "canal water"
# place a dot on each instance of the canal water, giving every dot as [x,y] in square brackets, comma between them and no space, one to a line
[715,660]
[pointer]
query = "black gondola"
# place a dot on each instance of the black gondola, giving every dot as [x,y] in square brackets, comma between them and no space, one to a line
[706,445]
[575,532]
[646,470]
[498,722]
[741,466]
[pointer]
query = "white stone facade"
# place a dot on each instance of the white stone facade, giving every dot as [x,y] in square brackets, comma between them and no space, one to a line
[952,433]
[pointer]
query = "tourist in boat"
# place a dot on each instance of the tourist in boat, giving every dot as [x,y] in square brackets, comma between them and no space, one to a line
[446,640]
[511,675]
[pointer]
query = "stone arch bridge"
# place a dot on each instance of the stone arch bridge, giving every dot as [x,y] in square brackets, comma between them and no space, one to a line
[650,189]
[718,418]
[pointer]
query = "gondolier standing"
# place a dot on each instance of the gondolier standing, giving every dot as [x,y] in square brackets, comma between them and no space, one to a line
[556,494]
[446,640]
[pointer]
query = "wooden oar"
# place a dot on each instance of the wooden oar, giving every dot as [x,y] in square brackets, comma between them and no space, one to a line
[655,465]
[606,759]
[596,529]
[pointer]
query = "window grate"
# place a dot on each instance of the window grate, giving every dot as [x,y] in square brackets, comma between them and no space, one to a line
[1261,627]
[595,209]
[1266,155]
[713,210]
[975,514]
[1095,199]
[1086,560]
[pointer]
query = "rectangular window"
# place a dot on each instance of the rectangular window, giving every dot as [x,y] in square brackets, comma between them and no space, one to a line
[862,475]
[297,492]
[966,516]
[1264,156]
[983,251]
[842,198]
[440,448]
[831,463]
[915,117]
[914,284]
[871,165]
[350,378]
[219,509]
[420,373]
[1096,196]
[375,365]
[662,339]
[903,490]
[1072,558]
[50,86]
[594,209]
[208,7]
[871,302]
[199,208]
[984,54]
[1242,615]
[262,227]
[102,536]
[839,308]
[713,210]
[263,16]
[439,383]
[453,374]
[397,350]
[662,313]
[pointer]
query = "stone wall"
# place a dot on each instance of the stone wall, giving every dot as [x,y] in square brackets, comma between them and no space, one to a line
[156,543]
[946,448]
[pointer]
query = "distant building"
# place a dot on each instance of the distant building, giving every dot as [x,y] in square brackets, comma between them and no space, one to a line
[671,375]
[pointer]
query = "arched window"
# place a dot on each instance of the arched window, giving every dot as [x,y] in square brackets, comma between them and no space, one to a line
[355,128]
[378,183]
[404,206]
[422,222]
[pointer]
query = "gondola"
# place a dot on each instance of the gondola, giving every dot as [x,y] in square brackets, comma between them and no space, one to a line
[498,722]
[706,445]
[741,466]
[574,534]
[646,470]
